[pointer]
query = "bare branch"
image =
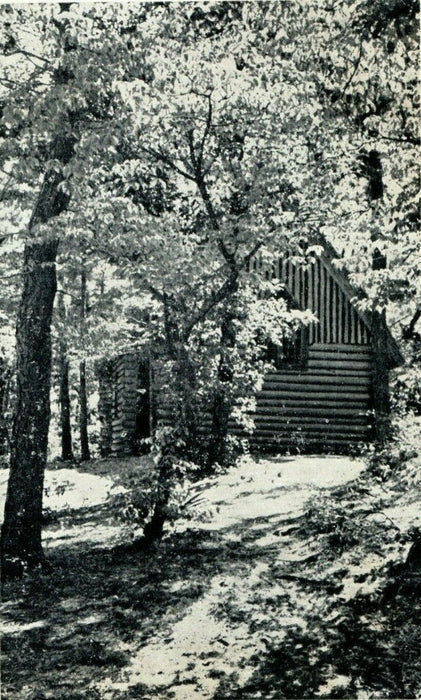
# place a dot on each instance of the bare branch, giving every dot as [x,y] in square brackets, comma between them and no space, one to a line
[206,132]
[164,158]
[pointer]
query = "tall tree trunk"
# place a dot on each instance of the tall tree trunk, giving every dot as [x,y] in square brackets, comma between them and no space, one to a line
[83,414]
[154,529]
[222,403]
[5,378]
[186,390]
[21,529]
[380,378]
[64,394]
[380,372]
[83,398]
[182,440]
[65,411]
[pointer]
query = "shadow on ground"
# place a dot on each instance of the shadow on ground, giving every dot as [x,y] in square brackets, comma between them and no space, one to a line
[240,606]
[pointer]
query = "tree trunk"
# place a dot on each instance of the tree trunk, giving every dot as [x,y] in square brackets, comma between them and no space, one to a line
[83,415]
[380,372]
[380,378]
[5,378]
[83,399]
[65,412]
[186,388]
[21,530]
[222,403]
[64,395]
[154,529]
[181,442]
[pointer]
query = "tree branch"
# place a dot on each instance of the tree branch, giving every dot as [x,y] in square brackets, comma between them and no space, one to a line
[166,159]
[207,129]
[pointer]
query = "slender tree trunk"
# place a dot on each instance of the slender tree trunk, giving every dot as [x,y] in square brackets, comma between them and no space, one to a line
[83,398]
[380,378]
[222,403]
[184,426]
[65,412]
[64,394]
[83,415]
[186,389]
[154,529]
[409,330]
[21,530]
[380,372]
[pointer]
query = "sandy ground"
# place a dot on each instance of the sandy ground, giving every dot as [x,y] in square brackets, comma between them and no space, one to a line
[242,607]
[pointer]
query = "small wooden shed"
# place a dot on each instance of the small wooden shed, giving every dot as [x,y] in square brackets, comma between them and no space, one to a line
[324,386]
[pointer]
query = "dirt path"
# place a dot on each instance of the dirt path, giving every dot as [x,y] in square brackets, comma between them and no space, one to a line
[218,634]
[214,611]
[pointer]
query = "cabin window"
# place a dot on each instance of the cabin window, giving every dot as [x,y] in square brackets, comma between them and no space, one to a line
[292,353]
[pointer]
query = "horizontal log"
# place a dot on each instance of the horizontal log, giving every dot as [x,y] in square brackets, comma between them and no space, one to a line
[317,442]
[303,396]
[327,371]
[336,365]
[308,418]
[315,427]
[341,347]
[310,435]
[315,378]
[288,423]
[323,412]
[343,357]
[299,388]
[339,373]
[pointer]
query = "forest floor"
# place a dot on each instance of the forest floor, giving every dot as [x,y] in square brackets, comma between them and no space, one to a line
[277,586]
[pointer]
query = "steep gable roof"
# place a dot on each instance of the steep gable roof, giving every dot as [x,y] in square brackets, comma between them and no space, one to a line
[362,320]
[393,352]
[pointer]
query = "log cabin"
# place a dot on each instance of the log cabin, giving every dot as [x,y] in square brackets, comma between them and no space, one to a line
[325,386]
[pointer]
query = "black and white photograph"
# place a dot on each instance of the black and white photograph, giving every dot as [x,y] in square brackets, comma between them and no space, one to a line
[210,350]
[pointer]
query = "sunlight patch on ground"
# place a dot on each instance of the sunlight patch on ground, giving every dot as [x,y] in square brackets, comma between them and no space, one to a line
[201,649]
[205,645]
[70,489]
[97,534]
[242,612]
[270,488]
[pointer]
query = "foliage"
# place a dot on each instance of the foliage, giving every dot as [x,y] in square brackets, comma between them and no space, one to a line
[204,138]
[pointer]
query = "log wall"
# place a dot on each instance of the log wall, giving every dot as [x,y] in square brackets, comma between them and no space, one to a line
[323,406]
[125,400]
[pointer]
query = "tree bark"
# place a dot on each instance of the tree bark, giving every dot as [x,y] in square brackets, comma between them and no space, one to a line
[154,529]
[65,411]
[222,403]
[186,388]
[83,398]
[83,415]
[409,331]
[64,395]
[21,530]
[5,378]
[380,378]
